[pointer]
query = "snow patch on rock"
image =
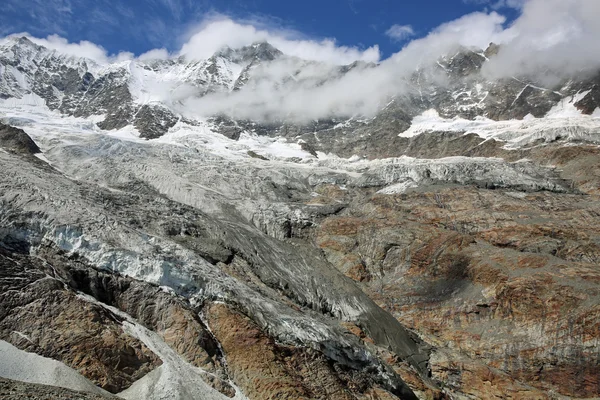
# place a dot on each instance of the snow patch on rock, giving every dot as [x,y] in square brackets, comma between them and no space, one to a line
[175,378]
[22,366]
[564,121]
[398,188]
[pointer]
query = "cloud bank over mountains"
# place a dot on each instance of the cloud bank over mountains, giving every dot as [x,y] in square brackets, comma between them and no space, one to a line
[221,31]
[550,39]
[559,36]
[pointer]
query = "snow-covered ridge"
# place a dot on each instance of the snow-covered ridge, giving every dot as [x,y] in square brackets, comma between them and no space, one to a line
[149,80]
[564,121]
[31,114]
[255,83]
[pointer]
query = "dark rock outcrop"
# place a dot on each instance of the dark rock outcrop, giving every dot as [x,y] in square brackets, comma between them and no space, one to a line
[17,141]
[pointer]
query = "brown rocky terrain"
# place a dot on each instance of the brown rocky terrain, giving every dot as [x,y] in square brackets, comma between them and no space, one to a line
[267,370]
[498,288]
[40,316]
[504,284]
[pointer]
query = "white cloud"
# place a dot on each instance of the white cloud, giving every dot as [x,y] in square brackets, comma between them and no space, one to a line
[550,35]
[87,49]
[362,91]
[82,49]
[550,39]
[218,32]
[472,30]
[155,54]
[400,32]
[359,92]
[553,37]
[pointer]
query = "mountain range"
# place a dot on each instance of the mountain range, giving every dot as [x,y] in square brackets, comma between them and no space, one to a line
[258,226]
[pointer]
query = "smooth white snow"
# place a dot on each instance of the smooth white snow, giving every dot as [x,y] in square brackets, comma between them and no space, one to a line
[19,365]
[31,114]
[174,379]
[563,121]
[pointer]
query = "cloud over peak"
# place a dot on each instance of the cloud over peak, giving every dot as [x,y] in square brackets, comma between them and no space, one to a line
[558,37]
[83,49]
[549,40]
[218,32]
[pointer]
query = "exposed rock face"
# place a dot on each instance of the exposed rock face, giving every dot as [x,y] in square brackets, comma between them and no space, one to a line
[591,101]
[16,140]
[503,278]
[266,370]
[88,336]
[40,316]
[153,122]
[157,310]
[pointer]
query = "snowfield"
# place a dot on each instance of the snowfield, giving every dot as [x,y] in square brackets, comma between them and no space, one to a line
[564,122]
[19,365]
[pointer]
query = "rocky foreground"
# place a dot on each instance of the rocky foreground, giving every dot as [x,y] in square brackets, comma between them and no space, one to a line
[141,275]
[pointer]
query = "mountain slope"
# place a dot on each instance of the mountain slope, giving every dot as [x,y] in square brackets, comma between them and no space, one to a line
[445,246]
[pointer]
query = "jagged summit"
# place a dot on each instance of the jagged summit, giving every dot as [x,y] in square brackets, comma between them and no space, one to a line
[492,50]
[260,51]
[464,62]
[19,41]
[148,95]
[24,48]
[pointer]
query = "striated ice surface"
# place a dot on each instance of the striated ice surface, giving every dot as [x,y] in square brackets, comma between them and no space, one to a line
[85,222]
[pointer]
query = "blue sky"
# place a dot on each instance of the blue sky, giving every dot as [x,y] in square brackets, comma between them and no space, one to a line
[137,26]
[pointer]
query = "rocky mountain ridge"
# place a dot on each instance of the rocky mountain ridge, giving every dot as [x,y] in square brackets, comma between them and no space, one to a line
[145,94]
